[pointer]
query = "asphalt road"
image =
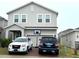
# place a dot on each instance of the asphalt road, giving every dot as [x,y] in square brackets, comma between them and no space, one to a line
[32,54]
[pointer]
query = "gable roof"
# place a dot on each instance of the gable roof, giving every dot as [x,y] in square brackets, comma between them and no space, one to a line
[13,25]
[35,4]
[3,18]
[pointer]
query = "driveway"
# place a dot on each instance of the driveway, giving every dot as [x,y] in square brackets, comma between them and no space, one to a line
[32,54]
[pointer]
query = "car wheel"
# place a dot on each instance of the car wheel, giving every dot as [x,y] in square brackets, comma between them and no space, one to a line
[27,50]
[31,48]
[10,53]
[40,52]
[57,52]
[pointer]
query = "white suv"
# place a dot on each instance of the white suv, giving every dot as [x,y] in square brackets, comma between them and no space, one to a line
[20,44]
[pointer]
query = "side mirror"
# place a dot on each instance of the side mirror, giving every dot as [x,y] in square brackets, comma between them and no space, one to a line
[13,40]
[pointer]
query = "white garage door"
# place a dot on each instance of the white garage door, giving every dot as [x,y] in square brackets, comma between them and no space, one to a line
[35,40]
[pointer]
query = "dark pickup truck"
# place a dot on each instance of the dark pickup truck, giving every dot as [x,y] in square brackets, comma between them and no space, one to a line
[48,44]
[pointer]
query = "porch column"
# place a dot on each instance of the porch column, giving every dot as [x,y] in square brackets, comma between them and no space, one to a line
[6,34]
[22,32]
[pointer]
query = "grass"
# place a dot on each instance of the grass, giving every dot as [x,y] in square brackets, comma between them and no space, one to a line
[67,52]
[3,51]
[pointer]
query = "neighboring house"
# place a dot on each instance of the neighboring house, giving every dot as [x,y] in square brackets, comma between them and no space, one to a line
[69,38]
[3,23]
[32,20]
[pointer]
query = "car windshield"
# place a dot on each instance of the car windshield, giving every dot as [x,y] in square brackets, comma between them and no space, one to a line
[21,40]
[49,40]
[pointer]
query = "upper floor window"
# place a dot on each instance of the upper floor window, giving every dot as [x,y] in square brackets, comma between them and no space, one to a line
[39,18]
[47,18]
[16,18]
[23,18]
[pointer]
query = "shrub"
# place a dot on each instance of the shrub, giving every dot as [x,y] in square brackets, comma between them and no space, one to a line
[5,42]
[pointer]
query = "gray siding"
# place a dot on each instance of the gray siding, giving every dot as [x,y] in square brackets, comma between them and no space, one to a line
[32,16]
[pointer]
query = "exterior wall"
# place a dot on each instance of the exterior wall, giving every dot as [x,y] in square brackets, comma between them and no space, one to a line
[43,32]
[3,23]
[35,38]
[68,40]
[77,36]
[32,16]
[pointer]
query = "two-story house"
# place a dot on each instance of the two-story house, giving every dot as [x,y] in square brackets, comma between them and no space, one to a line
[3,23]
[32,20]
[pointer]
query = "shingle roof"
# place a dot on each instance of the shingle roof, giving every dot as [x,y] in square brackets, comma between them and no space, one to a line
[29,4]
[3,18]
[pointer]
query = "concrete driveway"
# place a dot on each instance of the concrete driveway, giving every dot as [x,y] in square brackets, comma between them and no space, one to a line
[32,54]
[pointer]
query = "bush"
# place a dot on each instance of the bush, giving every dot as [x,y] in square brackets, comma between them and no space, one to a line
[5,42]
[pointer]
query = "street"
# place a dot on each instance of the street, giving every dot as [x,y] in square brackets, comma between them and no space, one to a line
[31,54]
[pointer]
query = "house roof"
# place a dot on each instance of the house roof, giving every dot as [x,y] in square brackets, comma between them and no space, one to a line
[3,18]
[32,3]
[65,32]
[68,31]
[13,25]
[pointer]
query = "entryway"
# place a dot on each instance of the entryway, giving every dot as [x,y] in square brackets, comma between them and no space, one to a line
[14,34]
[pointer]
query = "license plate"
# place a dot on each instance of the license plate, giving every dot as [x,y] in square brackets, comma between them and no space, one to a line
[53,51]
[15,50]
[48,46]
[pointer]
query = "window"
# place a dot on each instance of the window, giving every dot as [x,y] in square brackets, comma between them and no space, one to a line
[23,18]
[47,18]
[16,18]
[39,18]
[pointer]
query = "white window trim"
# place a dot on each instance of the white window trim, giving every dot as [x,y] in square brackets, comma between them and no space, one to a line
[45,18]
[14,18]
[37,18]
[26,18]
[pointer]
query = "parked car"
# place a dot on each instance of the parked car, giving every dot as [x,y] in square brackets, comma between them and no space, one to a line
[20,44]
[48,44]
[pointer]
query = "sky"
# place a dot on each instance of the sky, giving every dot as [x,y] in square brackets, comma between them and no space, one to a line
[68,10]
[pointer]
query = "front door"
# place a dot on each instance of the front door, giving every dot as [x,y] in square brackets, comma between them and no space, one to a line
[14,34]
[17,34]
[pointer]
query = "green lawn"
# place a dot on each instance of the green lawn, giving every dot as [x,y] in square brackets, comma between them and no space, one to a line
[3,51]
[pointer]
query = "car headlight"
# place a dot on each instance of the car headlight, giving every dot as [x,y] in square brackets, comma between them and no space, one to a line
[10,45]
[23,45]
